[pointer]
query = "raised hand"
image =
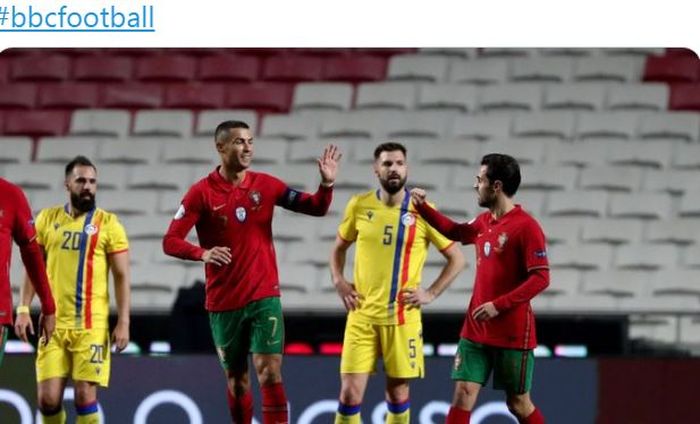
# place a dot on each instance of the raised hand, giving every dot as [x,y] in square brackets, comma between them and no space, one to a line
[328,164]
[418,196]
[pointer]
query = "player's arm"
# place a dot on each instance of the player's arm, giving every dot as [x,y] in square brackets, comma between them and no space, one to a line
[345,288]
[454,265]
[175,239]
[315,204]
[23,321]
[464,233]
[119,264]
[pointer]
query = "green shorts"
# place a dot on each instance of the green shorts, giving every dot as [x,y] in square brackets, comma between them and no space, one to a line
[512,368]
[3,340]
[257,327]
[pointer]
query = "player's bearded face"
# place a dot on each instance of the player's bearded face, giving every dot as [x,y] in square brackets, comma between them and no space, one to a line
[82,201]
[82,185]
[393,182]
[391,170]
[485,192]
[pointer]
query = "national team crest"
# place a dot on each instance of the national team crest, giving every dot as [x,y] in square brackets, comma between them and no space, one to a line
[408,219]
[502,239]
[241,214]
[487,248]
[91,229]
[256,199]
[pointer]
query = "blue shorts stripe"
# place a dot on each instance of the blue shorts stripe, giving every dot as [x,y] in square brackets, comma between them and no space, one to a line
[398,408]
[348,409]
[88,409]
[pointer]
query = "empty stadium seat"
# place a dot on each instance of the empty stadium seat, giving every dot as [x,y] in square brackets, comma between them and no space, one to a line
[671,69]
[414,67]
[292,68]
[15,150]
[691,256]
[608,69]
[506,52]
[585,97]
[163,123]
[18,96]
[607,124]
[686,156]
[208,120]
[583,154]
[617,283]
[359,124]
[46,199]
[290,127]
[675,231]
[690,204]
[168,276]
[685,97]
[35,123]
[612,231]
[611,178]
[511,98]
[584,257]
[37,177]
[172,177]
[129,202]
[40,68]
[526,152]
[299,277]
[420,124]
[111,177]
[386,95]
[102,68]
[166,68]
[482,127]
[557,125]
[479,71]
[197,151]
[561,230]
[670,180]
[640,205]
[356,178]
[649,155]
[63,149]
[333,96]
[355,68]
[68,95]
[229,68]
[563,282]
[568,51]
[289,226]
[577,203]
[463,152]
[671,125]
[546,177]
[271,151]
[100,123]
[308,151]
[542,69]
[194,96]
[646,257]
[458,97]
[650,96]
[150,228]
[129,152]
[430,177]
[275,97]
[131,95]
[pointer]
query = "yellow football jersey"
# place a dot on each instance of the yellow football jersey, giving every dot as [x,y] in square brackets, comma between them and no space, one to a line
[77,265]
[392,244]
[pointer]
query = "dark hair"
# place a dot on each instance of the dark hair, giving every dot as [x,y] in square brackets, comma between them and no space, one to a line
[225,126]
[389,147]
[78,161]
[503,168]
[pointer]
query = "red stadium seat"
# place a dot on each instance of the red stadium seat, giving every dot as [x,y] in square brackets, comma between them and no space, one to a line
[229,68]
[68,95]
[680,51]
[166,68]
[671,69]
[383,51]
[292,68]
[258,52]
[320,52]
[132,95]
[40,68]
[274,97]
[22,95]
[194,96]
[355,68]
[4,69]
[685,97]
[102,68]
[132,52]
[36,123]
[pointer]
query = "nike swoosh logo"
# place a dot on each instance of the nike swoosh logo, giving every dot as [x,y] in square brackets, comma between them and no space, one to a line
[216,208]
[269,343]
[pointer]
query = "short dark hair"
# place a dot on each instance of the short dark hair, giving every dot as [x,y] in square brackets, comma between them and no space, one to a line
[226,126]
[389,147]
[503,168]
[78,161]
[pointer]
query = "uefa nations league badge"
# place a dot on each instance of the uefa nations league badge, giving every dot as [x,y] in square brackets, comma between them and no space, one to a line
[241,214]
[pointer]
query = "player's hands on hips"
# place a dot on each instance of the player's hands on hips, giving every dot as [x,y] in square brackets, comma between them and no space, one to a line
[23,322]
[418,196]
[328,164]
[347,293]
[120,336]
[217,255]
[47,323]
[485,312]
[416,297]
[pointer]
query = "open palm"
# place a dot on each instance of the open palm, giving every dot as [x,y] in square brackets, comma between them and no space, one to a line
[328,163]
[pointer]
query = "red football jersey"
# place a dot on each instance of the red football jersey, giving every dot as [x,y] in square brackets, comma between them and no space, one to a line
[506,250]
[238,217]
[16,224]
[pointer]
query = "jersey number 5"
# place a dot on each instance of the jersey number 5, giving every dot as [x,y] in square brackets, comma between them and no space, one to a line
[387,234]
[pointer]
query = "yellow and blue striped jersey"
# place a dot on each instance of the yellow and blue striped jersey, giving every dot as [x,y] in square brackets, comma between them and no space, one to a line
[392,245]
[77,265]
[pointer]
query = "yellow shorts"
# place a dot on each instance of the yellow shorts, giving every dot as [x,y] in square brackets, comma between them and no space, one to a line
[82,355]
[401,347]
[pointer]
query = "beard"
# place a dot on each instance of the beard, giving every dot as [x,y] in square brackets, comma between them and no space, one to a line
[393,185]
[83,202]
[487,200]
